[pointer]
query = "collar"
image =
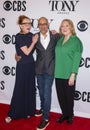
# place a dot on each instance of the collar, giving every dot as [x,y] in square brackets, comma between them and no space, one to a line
[47,34]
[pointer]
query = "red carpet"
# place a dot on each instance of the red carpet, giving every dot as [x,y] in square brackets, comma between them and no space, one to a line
[31,124]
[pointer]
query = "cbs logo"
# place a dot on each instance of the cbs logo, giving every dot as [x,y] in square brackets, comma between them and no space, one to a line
[82,26]
[2,55]
[2,85]
[14,5]
[7,70]
[84,96]
[8,39]
[85,62]
[2,22]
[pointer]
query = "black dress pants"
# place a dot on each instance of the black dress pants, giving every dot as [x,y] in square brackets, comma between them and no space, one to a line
[65,94]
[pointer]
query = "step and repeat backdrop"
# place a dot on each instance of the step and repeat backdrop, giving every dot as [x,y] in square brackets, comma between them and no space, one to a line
[55,11]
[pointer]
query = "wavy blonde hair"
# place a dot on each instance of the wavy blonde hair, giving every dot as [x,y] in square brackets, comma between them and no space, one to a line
[71,27]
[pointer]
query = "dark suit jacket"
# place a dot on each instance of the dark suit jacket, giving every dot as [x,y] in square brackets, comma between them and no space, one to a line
[45,59]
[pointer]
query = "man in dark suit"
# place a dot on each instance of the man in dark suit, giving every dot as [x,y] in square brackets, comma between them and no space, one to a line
[45,61]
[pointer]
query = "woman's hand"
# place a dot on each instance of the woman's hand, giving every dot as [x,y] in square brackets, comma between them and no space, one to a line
[71,79]
[54,32]
[35,39]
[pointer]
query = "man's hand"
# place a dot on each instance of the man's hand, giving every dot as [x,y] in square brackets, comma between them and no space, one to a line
[54,32]
[17,58]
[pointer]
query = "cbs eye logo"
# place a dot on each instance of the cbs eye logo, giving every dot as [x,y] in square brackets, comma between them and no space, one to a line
[7,5]
[77,95]
[7,70]
[8,39]
[84,96]
[82,26]
[14,5]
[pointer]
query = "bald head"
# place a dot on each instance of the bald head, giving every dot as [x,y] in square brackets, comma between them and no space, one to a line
[43,19]
[43,25]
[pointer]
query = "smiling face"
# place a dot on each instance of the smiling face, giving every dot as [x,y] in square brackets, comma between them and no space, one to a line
[66,28]
[43,25]
[25,26]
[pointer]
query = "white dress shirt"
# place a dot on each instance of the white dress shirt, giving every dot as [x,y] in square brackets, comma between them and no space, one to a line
[45,40]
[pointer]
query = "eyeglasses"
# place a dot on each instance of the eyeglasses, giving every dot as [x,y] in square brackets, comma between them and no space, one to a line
[25,24]
[42,24]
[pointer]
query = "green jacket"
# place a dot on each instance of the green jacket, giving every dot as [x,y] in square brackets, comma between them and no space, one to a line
[67,57]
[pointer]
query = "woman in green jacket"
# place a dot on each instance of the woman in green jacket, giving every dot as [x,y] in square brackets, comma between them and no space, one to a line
[67,59]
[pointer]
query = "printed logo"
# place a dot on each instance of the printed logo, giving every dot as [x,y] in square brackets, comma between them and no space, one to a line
[2,55]
[84,96]
[63,6]
[14,5]
[8,39]
[77,95]
[82,26]
[2,22]
[7,5]
[7,70]
[85,62]
[2,85]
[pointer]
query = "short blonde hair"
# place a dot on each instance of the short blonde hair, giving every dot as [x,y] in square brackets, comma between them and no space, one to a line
[71,27]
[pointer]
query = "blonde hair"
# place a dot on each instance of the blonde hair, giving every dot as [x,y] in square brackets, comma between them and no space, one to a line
[21,18]
[72,29]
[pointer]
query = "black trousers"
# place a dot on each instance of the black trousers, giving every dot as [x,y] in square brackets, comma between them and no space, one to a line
[65,94]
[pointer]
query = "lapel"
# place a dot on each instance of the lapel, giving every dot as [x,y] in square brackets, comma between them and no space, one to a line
[39,42]
[50,42]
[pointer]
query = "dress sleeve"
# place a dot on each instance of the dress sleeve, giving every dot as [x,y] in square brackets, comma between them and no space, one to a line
[78,47]
[20,41]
